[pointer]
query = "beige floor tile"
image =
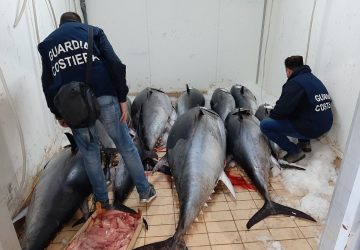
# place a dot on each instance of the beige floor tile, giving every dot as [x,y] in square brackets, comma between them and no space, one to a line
[200,248]
[280,222]
[223,238]
[149,240]
[300,244]
[164,192]
[241,225]
[157,177]
[216,206]
[235,205]
[217,197]
[64,236]
[311,231]
[164,219]
[314,243]
[218,216]
[255,246]
[139,242]
[142,232]
[160,230]
[254,235]
[286,233]
[133,202]
[197,228]
[243,214]
[157,210]
[228,247]
[162,185]
[56,246]
[133,194]
[242,196]
[259,203]
[221,226]
[197,240]
[305,223]
[162,200]
[255,195]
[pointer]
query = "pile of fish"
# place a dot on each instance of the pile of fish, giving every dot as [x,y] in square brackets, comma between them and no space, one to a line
[197,142]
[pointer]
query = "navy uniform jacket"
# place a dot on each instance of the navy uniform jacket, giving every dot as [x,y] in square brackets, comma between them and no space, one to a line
[306,103]
[63,55]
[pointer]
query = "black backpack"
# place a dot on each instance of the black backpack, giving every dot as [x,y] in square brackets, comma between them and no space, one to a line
[76,101]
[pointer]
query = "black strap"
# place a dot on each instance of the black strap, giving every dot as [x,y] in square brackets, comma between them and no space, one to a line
[89,55]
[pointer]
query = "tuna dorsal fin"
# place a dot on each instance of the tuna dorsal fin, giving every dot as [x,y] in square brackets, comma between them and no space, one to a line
[242,90]
[187,89]
[240,115]
[149,93]
[201,112]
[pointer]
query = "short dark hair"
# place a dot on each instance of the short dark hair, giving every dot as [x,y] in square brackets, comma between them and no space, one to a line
[294,62]
[70,16]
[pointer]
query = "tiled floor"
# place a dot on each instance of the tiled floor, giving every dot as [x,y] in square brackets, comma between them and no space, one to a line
[222,223]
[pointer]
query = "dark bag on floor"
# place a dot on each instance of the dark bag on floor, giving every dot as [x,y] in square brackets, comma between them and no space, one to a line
[75,100]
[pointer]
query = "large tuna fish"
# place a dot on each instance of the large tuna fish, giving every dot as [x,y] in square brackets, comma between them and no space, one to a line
[153,116]
[244,98]
[196,155]
[189,99]
[222,102]
[251,150]
[61,190]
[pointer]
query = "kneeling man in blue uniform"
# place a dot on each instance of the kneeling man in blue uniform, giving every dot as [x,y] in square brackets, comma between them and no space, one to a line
[303,111]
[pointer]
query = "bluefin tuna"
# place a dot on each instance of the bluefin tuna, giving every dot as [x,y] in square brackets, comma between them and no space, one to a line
[244,98]
[189,99]
[61,190]
[222,102]
[196,155]
[251,150]
[153,116]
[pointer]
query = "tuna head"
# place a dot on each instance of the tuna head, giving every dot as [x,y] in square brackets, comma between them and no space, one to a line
[153,116]
[189,99]
[222,102]
[244,98]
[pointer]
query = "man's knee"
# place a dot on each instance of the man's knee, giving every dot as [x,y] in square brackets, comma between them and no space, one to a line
[265,125]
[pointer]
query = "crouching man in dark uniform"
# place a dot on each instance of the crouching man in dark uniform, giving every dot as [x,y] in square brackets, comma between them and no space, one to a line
[303,111]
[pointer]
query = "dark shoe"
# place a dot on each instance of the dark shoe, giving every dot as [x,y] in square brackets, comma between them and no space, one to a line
[304,146]
[149,196]
[292,158]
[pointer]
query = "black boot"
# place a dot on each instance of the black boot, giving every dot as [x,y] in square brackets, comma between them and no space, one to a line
[304,145]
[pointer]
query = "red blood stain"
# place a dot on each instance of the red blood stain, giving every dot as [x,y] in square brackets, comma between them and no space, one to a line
[239,181]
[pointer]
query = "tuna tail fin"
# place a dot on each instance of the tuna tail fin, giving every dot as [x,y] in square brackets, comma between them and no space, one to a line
[72,142]
[187,89]
[273,208]
[170,243]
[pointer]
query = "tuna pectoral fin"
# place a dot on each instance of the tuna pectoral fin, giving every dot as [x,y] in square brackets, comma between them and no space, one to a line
[272,208]
[228,184]
[169,244]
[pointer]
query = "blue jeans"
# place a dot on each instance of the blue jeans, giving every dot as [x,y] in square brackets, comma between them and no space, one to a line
[88,143]
[278,131]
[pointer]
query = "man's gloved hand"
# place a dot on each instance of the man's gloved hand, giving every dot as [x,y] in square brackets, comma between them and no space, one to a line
[124,112]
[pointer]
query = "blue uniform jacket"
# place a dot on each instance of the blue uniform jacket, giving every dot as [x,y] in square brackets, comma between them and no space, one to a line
[306,103]
[63,55]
